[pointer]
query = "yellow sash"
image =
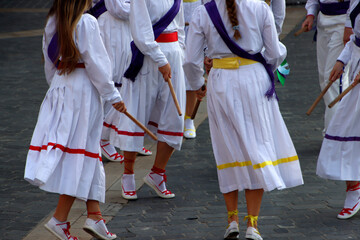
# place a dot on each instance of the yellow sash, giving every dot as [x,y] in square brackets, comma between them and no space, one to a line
[232,62]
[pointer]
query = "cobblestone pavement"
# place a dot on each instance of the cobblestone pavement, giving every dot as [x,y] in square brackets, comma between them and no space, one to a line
[198,211]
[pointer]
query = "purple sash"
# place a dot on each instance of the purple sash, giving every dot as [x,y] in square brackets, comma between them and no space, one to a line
[53,50]
[137,58]
[336,8]
[98,9]
[236,49]
[354,14]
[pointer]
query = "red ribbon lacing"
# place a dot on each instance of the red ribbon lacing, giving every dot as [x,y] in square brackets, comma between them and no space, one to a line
[130,193]
[107,232]
[161,172]
[347,210]
[354,187]
[66,230]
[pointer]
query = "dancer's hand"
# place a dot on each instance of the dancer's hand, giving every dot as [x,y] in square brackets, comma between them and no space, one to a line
[336,71]
[347,33]
[207,64]
[308,23]
[201,92]
[357,79]
[120,106]
[166,71]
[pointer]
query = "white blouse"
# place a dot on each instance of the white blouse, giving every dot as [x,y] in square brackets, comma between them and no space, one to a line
[257,29]
[145,13]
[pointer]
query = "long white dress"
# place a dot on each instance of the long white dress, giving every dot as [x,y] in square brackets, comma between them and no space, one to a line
[329,44]
[149,92]
[115,33]
[251,144]
[339,157]
[64,155]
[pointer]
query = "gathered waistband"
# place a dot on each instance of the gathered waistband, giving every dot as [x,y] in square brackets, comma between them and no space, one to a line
[231,62]
[167,37]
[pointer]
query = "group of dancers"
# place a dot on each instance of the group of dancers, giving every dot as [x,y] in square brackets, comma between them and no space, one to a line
[104,58]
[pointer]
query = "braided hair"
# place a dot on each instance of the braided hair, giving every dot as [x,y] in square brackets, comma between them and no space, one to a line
[231,9]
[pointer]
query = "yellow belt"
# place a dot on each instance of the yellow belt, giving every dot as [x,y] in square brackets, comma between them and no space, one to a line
[232,62]
[187,1]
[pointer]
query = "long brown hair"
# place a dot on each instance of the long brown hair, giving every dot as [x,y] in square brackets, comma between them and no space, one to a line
[68,13]
[232,13]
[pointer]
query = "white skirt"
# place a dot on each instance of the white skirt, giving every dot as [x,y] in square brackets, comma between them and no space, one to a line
[252,147]
[64,155]
[149,93]
[339,157]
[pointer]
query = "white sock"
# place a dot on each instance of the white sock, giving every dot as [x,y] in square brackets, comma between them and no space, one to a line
[158,179]
[352,197]
[189,124]
[128,182]
[109,148]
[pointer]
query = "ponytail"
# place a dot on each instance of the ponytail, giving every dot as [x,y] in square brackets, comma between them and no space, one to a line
[231,9]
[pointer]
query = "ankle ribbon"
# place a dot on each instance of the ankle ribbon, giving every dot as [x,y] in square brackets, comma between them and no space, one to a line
[252,219]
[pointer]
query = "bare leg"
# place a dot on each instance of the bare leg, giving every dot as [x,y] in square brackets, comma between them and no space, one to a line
[63,207]
[253,203]
[163,154]
[93,209]
[129,161]
[231,201]
[190,102]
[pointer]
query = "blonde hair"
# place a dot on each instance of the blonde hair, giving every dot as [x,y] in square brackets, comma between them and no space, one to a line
[68,13]
[232,13]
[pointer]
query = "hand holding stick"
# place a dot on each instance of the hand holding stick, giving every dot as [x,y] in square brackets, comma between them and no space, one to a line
[300,31]
[197,104]
[166,72]
[174,96]
[141,125]
[319,98]
[343,93]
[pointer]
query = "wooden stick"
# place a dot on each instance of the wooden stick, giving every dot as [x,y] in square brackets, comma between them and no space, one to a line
[319,98]
[197,104]
[141,126]
[343,94]
[174,97]
[300,31]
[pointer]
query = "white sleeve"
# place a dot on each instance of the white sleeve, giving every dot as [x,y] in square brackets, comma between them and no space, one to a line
[345,55]
[181,30]
[194,53]
[96,59]
[278,9]
[143,34]
[119,8]
[275,52]
[49,67]
[312,7]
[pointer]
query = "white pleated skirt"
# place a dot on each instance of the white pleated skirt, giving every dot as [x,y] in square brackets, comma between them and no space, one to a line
[339,157]
[64,155]
[251,144]
[149,100]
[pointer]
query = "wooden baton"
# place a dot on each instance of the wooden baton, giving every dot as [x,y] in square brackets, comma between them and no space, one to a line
[343,94]
[174,97]
[197,104]
[319,98]
[141,126]
[300,31]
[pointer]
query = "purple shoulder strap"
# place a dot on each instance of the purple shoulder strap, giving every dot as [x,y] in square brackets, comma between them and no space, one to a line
[98,9]
[53,49]
[137,58]
[215,17]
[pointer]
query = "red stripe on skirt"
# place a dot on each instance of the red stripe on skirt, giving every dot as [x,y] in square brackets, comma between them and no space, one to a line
[177,134]
[65,149]
[132,134]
